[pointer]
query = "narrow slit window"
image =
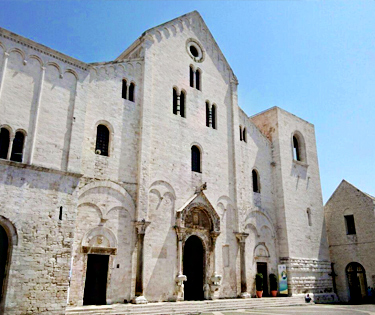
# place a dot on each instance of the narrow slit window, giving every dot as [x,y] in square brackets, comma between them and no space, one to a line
[255,176]
[124,89]
[131,92]
[195,159]
[102,140]
[4,143]
[244,135]
[191,71]
[174,101]
[213,116]
[240,133]
[296,149]
[198,80]
[309,217]
[60,213]
[207,114]
[182,104]
[17,149]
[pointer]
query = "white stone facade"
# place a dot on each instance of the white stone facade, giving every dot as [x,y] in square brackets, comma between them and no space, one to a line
[348,247]
[137,201]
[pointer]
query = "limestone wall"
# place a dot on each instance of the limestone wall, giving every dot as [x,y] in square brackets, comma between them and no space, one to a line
[38,275]
[345,249]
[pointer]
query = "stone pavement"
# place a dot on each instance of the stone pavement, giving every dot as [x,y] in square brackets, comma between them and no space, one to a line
[311,309]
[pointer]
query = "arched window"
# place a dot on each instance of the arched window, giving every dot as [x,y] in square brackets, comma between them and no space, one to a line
[256,186]
[309,216]
[131,92]
[240,133]
[4,143]
[195,159]
[182,104]
[124,89]
[244,135]
[213,116]
[191,71]
[174,101]
[198,79]
[207,114]
[296,149]
[102,140]
[17,148]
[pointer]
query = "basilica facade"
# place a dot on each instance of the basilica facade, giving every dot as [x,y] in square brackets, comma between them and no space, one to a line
[141,179]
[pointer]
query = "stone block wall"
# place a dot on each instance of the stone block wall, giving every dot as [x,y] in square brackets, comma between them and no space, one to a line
[30,200]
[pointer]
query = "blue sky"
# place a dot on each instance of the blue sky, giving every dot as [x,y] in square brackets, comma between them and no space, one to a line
[315,59]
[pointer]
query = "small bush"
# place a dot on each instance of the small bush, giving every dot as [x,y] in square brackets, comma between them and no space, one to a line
[259,282]
[273,282]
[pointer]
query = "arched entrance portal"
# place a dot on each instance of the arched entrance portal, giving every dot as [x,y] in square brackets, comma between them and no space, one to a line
[357,282]
[4,244]
[193,263]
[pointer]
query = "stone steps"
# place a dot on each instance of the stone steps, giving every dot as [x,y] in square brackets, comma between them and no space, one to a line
[188,307]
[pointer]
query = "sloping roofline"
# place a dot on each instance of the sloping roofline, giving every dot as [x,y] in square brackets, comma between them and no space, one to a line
[140,39]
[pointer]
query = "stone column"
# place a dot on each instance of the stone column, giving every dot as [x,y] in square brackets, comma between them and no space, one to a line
[178,104]
[180,231]
[215,279]
[241,237]
[141,230]
[36,117]
[10,147]
[2,77]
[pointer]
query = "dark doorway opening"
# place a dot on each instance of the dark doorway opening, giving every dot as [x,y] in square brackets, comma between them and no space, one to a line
[357,282]
[96,280]
[4,244]
[194,268]
[262,268]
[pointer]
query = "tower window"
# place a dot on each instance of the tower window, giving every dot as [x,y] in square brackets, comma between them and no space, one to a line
[296,149]
[4,143]
[194,51]
[17,148]
[244,135]
[131,92]
[207,114]
[102,140]
[255,176]
[124,89]
[240,133]
[198,79]
[191,71]
[309,217]
[182,104]
[174,101]
[195,159]
[213,116]
[350,225]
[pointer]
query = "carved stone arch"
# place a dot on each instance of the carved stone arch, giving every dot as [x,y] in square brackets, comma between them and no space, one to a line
[264,216]
[266,227]
[120,209]
[167,188]
[54,64]
[225,201]
[99,240]
[252,227]
[9,128]
[166,32]
[21,52]
[174,29]
[40,60]
[261,251]
[93,205]
[10,229]
[71,71]
[3,47]
[128,201]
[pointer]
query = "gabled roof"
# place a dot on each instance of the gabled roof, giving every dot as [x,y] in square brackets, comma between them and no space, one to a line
[193,14]
[346,183]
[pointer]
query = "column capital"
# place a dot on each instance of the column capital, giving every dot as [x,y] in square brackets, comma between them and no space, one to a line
[180,231]
[241,236]
[141,226]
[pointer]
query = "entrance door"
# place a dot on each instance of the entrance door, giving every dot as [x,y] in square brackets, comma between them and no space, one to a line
[3,259]
[262,268]
[194,268]
[96,280]
[357,282]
